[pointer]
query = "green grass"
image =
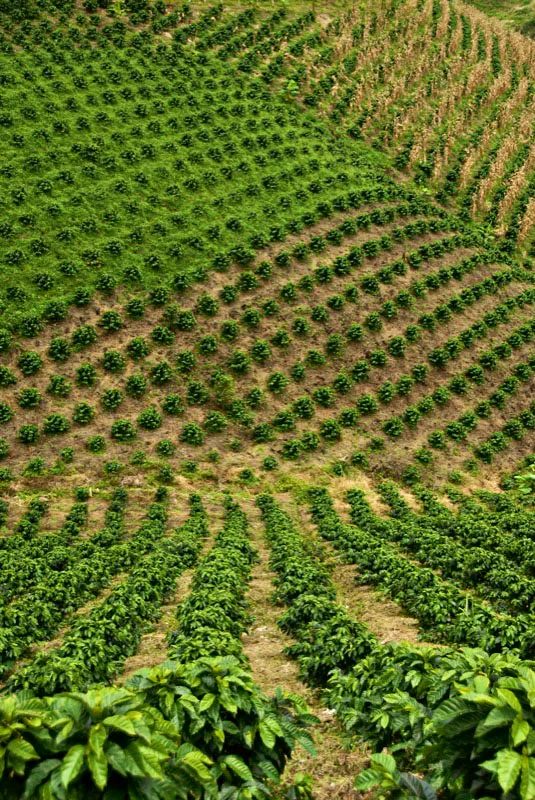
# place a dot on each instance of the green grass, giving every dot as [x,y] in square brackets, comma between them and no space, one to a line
[517,14]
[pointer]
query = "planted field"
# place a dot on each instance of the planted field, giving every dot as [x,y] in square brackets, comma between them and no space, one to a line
[267,414]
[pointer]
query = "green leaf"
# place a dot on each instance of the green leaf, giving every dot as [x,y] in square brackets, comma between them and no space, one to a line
[22,749]
[306,741]
[238,767]
[206,702]
[116,758]
[527,782]
[385,761]
[530,743]
[369,779]
[520,730]
[417,787]
[267,735]
[496,719]
[269,770]
[97,738]
[509,764]
[98,764]
[510,698]
[39,774]
[121,723]
[198,761]
[72,765]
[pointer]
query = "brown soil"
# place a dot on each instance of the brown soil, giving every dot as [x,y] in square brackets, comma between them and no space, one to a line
[382,616]
[335,768]
[152,649]
[153,646]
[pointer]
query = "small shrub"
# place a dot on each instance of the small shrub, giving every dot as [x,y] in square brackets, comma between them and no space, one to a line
[111,399]
[376,444]
[277,382]
[96,444]
[7,378]
[86,375]
[437,440]
[161,373]
[29,398]
[110,321]
[247,477]
[67,455]
[59,349]
[34,467]
[173,405]
[123,431]
[113,361]
[393,427]
[161,334]
[6,413]
[215,422]
[331,430]
[135,386]
[113,467]
[84,336]
[137,348]
[192,434]
[150,419]
[83,413]
[138,458]
[165,448]
[28,434]
[55,424]
[186,362]
[29,363]
[165,474]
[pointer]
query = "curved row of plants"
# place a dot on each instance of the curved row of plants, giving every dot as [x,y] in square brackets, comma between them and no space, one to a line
[96,646]
[445,613]
[459,429]
[474,565]
[197,727]
[88,570]
[331,429]
[432,706]
[30,557]
[63,592]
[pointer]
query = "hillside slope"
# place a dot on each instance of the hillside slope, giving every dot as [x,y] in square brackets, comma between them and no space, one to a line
[266,374]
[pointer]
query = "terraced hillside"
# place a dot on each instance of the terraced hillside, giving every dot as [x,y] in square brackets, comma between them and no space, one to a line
[266,413]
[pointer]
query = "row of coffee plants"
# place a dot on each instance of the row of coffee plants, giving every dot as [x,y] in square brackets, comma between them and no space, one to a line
[327,637]
[160,735]
[29,557]
[459,430]
[445,612]
[438,358]
[215,614]
[183,281]
[514,429]
[501,525]
[215,127]
[426,703]
[476,376]
[95,647]
[477,566]
[89,571]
